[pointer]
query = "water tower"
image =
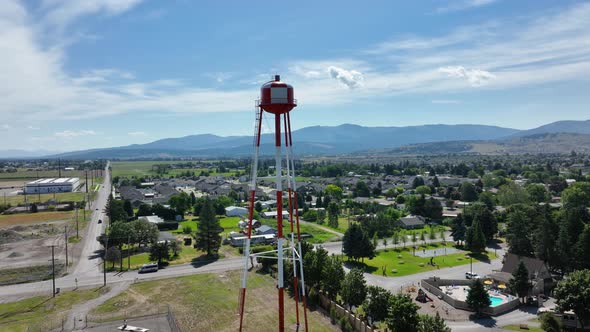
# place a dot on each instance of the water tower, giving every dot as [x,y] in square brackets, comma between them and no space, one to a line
[277,99]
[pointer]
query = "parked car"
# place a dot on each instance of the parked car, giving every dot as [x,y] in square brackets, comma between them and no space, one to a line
[150,267]
[471,275]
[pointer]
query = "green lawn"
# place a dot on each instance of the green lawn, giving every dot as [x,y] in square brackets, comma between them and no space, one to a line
[188,254]
[36,311]
[516,327]
[319,235]
[209,302]
[404,262]
[229,224]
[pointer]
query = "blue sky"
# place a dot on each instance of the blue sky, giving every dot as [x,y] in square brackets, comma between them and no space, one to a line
[77,74]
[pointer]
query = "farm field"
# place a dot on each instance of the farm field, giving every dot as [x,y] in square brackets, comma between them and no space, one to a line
[401,261]
[208,302]
[23,173]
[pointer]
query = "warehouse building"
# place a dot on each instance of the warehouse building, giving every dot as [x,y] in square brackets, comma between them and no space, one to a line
[45,186]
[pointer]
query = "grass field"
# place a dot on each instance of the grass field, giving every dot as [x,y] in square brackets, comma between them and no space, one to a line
[58,197]
[208,302]
[516,327]
[41,311]
[404,262]
[144,168]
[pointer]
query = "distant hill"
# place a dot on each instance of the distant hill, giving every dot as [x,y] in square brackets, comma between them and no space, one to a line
[547,143]
[6,154]
[576,127]
[315,140]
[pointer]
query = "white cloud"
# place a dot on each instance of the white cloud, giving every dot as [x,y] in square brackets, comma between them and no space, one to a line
[137,133]
[33,128]
[476,77]
[458,5]
[351,78]
[5,127]
[446,101]
[61,13]
[74,133]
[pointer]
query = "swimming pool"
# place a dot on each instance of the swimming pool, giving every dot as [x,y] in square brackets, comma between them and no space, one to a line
[496,301]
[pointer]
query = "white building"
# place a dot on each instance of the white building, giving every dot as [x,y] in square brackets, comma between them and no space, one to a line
[152,219]
[235,211]
[45,186]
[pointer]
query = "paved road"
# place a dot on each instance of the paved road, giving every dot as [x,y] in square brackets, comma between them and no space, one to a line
[89,262]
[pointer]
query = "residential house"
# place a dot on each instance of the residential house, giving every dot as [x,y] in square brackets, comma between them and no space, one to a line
[412,222]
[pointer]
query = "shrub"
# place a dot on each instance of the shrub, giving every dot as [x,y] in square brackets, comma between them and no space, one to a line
[186,229]
[168,226]
[313,298]
[345,325]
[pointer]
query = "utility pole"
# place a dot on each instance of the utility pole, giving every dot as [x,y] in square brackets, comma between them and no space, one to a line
[77,227]
[104,258]
[66,236]
[53,267]
[59,167]
[86,172]
[128,252]
[471,263]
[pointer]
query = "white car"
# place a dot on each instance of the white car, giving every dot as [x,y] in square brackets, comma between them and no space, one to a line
[472,275]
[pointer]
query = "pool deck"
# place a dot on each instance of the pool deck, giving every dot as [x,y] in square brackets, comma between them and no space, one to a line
[460,293]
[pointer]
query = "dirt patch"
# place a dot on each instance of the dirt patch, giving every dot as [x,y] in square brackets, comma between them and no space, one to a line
[8,221]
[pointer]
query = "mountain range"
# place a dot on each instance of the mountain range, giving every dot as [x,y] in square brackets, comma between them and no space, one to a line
[349,138]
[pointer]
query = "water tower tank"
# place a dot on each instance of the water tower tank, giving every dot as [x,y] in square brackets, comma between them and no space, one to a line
[277,97]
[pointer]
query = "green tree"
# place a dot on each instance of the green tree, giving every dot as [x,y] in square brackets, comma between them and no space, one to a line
[574,197]
[488,199]
[332,277]
[583,249]
[403,314]
[549,323]
[113,255]
[258,207]
[458,230]
[354,288]
[160,251]
[314,262]
[180,203]
[208,229]
[519,283]
[475,239]
[488,222]
[145,232]
[361,189]
[417,182]
[333,212]
[423,190]
[333,191]
[512,193]
[573,293]
[144,210]
[432,324]
[432,209]
[423,237]
[376,303]
[114,209]
[518,233]
[128,208]
[435,182]
[432,233]
[468,193]
[357,244]
[477,297]
[537,192]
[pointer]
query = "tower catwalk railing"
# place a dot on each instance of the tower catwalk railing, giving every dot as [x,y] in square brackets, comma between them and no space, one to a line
[292,251]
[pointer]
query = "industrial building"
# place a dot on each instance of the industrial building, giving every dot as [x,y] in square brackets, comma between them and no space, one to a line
[46,186]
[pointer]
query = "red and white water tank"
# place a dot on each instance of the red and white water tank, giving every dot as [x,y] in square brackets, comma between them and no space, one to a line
[277,97]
